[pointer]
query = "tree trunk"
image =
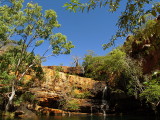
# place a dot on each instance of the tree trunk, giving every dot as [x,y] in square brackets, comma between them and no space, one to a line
[10,100]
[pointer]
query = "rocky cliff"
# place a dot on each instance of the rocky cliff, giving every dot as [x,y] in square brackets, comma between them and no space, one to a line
[66,69]
[62,93]
[145,51]
[68,93]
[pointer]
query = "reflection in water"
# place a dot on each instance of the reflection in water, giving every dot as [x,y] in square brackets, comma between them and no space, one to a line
[93,117]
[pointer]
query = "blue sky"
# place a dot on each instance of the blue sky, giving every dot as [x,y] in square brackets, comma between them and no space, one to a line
[87,31]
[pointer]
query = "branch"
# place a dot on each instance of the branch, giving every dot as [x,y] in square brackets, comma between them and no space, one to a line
[158,103]
[31,40]
[22,52]
[46,56]
[31,66]
[46,51]
[30,52]
[26,71]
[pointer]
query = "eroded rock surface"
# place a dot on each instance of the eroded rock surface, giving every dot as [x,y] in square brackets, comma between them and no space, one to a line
[58,86]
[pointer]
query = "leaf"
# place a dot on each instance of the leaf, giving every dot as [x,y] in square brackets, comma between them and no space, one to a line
[39,42]
[132,7]
[74,8]
[158,9]
[66,4]
[153,12]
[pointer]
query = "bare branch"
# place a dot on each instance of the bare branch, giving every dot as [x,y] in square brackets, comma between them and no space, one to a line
[47,50]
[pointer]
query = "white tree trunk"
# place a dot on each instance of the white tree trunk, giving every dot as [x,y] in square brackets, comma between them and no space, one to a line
[10,98]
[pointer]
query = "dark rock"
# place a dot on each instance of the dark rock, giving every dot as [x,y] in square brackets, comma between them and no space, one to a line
[24,112]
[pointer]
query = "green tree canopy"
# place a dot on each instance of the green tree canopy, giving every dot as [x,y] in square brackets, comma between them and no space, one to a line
[133,16]
[27,28]
[117,69]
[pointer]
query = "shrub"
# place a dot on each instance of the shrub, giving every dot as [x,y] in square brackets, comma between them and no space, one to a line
[81,95]
[71,105]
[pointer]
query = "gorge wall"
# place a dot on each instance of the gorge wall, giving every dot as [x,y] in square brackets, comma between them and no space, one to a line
[145,51]
[68,93]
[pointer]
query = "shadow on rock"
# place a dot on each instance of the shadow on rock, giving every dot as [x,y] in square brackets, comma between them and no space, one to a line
[24,113]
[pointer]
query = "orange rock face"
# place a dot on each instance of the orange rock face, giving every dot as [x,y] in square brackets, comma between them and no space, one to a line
[59,81]
[66,69]
[59,86]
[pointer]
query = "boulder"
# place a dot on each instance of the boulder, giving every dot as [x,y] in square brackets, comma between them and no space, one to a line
[24,112]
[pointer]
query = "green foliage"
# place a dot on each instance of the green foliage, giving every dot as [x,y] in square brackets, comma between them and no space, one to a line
[25,97]
[9,59]
[127,47]
[152,89]
[30,25]
[81,95]
[144,40]
[100,66]
[56,76]
[7,115]
[26,27]
[132,17]
[39,42]
[59,68]
[91,65]
[7,74]
[117,69]
[152,94]
[149,30]
[5,77]
[71,105]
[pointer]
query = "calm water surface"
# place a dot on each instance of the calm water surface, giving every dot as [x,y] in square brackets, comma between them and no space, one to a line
[90,118]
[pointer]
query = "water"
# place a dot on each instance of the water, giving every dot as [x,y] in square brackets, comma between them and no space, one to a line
[87,117]
[104,106]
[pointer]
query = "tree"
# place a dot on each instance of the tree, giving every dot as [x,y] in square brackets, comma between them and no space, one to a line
[93,66]
[131,18]
[117,69]
[28,28]
[151,92]
[8,61]
[142,44]
[76,60]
